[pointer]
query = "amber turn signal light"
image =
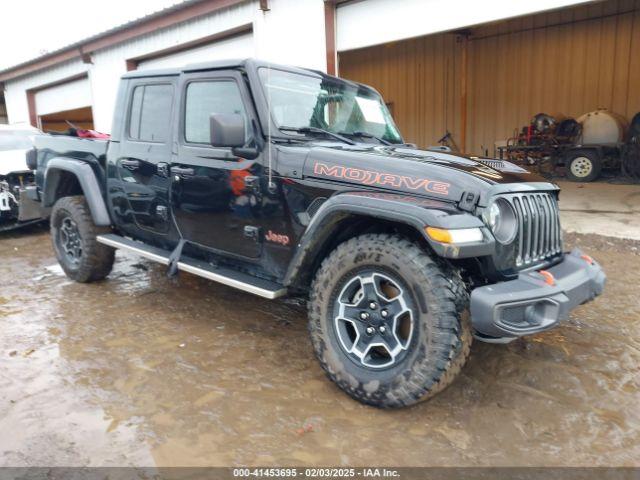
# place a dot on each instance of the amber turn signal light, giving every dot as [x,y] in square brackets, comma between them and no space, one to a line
[457,235]
[587,259]
[439,234]
[548,277]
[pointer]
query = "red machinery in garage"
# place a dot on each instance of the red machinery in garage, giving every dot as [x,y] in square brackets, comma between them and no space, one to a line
[580,147]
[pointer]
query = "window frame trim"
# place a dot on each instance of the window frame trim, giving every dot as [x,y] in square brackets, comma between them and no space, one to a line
[144,84]
[212,76]
[183,118]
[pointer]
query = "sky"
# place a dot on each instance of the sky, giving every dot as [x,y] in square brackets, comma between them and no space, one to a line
[30,28]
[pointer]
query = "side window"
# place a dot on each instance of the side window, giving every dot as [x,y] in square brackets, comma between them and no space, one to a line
[150,113]
[207,97]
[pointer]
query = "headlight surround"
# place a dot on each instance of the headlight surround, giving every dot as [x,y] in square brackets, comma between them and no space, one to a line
[501,220]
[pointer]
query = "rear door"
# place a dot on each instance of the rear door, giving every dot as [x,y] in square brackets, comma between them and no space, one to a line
[145,153]
[211,203]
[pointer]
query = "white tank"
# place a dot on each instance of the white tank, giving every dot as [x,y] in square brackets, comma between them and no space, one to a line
[601,127]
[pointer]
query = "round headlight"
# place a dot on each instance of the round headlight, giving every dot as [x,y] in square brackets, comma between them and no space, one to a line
[501,219]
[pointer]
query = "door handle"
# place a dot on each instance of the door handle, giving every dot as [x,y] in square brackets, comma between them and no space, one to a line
[130,163]
[252,184]
[183,172]
[162,169]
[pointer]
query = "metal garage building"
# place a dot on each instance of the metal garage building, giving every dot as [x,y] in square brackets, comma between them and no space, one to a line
[476,69]
[481,82]
[79,82]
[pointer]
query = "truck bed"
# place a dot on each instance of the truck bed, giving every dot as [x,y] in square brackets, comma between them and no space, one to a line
[89,149]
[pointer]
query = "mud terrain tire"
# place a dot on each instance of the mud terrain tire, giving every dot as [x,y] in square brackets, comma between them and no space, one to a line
[73,235]
[440,340]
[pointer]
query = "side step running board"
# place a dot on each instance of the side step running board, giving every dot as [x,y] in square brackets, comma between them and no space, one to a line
[226,276]
[152,253]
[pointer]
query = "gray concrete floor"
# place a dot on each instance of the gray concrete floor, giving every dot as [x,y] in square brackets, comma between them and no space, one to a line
[601,208]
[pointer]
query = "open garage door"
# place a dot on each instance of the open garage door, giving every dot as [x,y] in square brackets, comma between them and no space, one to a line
[59,121]
[235,46]
[68,102]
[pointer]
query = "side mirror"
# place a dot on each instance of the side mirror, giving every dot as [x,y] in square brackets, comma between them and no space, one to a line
[248,153]
[227,130]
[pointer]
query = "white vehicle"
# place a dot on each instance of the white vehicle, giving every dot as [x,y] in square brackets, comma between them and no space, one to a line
[19,203]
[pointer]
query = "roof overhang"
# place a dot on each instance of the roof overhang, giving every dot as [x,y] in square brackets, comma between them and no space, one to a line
[179,13]
[361,24]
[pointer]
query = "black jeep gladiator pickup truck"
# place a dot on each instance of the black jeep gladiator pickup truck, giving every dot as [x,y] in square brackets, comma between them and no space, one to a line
[286,181]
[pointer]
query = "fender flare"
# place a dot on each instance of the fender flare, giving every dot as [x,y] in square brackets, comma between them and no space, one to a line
[415,212]
[87,180]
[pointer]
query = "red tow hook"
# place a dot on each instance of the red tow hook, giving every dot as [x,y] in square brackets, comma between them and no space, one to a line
[548,277]
[587,259]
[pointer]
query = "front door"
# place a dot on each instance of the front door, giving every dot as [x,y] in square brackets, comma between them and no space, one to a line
[214,194]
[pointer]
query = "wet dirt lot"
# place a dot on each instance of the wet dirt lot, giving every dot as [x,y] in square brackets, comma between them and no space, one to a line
[147,371]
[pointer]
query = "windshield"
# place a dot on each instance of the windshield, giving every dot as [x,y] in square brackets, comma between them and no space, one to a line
[301,101]
[16,140]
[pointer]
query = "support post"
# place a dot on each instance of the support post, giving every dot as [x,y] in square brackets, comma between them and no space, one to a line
[464,41]
[31,106]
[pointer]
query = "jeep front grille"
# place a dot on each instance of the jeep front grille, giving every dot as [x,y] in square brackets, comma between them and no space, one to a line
[539,234]
[497,164]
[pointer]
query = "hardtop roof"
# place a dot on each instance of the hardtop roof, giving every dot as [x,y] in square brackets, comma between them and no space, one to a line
[245,63]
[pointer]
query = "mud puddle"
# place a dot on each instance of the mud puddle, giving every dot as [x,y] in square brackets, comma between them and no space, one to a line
[143,370]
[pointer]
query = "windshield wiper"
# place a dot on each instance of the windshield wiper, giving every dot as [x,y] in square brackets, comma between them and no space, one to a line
[367,135]
[316,130]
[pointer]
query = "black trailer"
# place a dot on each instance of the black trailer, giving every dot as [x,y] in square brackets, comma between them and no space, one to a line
[580,163]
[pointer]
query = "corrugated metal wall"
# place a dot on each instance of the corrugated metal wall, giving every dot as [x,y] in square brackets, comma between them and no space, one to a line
[417,78]
[109,63]
[291,33]
[569,62]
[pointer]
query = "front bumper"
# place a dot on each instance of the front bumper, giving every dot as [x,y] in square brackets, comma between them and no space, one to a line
[535,301]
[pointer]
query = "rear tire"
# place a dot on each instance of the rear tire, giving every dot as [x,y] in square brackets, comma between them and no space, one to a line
[354,285]
[583,166]
[73,234]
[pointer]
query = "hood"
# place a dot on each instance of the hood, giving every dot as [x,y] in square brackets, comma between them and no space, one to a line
[408,170]
[13,161]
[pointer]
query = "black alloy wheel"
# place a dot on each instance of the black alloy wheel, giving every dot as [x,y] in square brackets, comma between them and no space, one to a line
[70,240]
[373,319]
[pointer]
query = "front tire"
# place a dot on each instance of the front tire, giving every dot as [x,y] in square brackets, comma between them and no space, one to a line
[388,322]
[73,234]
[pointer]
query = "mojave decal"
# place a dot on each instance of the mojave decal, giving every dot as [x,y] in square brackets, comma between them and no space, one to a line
[369,177]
